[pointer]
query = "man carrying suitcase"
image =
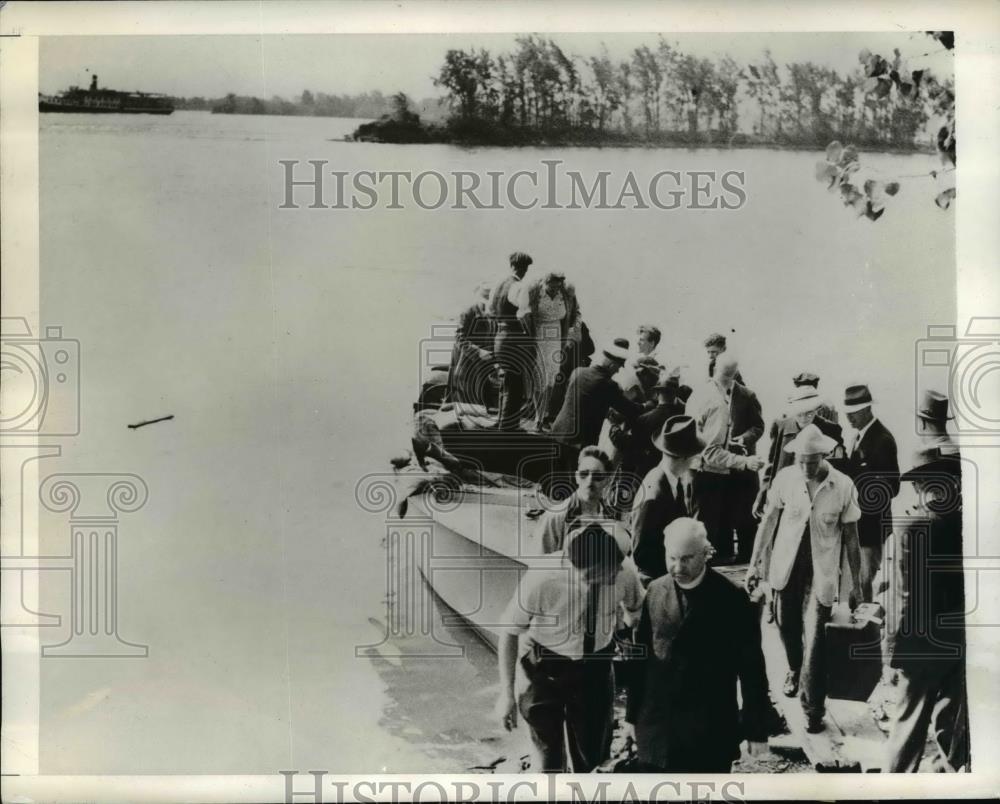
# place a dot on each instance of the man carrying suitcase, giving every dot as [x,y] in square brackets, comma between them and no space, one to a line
[809,522]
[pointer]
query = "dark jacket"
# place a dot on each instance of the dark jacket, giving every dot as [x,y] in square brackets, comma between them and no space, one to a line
[745,417]
[785,429]
[513,346]
[683,702]
[656,506]
[874,469]
[469,378]
[925,620]
[590,394]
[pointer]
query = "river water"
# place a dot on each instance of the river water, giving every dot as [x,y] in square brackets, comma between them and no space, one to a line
[286,343]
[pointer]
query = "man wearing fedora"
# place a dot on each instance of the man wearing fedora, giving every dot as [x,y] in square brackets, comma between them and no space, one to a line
[873,466]
[804,406]
[809,524]
[932,423]
[729,420]
[925,620]
[590,394]
[702,642]
[667,492]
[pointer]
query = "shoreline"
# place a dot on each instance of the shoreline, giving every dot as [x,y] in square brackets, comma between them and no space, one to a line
[673,146]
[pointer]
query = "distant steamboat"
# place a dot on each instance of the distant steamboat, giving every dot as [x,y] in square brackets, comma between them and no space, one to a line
[105,101]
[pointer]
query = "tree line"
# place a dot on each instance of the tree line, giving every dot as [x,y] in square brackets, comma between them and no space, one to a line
[660,93]
[367,105]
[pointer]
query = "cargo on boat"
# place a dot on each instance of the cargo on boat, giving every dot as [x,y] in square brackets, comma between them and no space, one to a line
[105,101]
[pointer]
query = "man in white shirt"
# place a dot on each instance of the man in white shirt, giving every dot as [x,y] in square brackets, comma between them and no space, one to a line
[566,618]
[809,524]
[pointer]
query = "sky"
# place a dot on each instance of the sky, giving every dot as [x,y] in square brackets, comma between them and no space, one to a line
[212,66]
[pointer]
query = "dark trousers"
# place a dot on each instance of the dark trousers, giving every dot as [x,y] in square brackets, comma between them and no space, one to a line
[713,514]
[871,561]
[514,353]
[573,695]
[931,696]
[802,622]
[725,508]
[743,488]
[511,399]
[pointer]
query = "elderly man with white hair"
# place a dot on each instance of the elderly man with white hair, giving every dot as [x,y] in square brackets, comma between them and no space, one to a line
[730,422]
[811,520]
[702,639]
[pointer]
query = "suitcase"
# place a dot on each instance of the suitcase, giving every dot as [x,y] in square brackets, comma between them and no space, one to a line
[853,652]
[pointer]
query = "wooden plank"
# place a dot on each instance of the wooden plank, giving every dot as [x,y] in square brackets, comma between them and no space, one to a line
[821,749]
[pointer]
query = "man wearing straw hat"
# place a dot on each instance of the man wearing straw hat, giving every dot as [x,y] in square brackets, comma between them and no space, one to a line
[873,466]
[804,406]
[806,379]
[810,522]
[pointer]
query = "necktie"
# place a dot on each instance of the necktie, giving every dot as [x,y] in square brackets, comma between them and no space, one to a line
[590,619]
[682,498]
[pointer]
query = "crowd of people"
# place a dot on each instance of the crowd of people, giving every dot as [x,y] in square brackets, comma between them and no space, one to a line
[666,481]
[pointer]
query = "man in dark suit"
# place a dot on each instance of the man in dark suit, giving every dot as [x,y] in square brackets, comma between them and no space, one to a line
[729,420]
[591,393]
[804,406]
[702,636]
[925,620]
[667,493]
[874,467]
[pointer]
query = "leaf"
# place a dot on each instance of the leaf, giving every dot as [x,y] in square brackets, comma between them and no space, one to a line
[892,188]
[826,172]
[870,85]
[754,71]
[945,198]
[894,75]
[917,76]
[905,89]
[849,193]
[872,213]
[870,187]
[848,155]
[834,151]
[884,88]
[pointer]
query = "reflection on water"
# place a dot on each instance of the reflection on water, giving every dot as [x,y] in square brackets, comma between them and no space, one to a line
[442,685]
